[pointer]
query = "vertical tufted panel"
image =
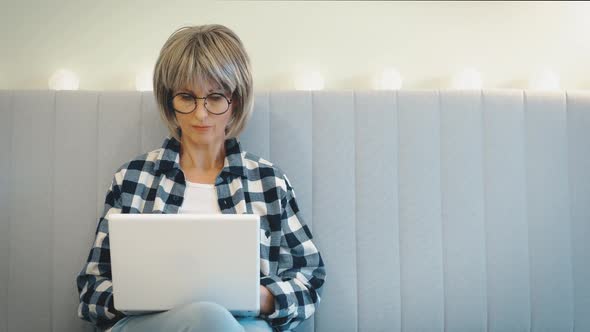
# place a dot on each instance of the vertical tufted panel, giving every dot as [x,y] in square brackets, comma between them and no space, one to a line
[31,264]
[421,247]
[119,116]
[377,218]
[508,277]
[578,127]
[256,136]
[152,127]
[291,143]
[74,201]
[334,207]
[548,212]
[464,247]
[5,197]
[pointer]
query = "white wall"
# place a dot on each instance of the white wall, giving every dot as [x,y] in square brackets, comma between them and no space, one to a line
[108,42]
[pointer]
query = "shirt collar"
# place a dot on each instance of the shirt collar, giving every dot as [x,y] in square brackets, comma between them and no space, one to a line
[169,157]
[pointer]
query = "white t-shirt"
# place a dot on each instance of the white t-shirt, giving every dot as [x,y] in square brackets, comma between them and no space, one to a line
[199,198]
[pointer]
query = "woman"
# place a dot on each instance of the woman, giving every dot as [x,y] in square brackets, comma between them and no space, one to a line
[203,87]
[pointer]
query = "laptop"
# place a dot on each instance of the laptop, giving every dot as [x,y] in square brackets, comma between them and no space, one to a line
[160,261]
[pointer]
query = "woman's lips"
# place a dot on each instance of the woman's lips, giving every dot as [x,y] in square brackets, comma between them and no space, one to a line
[201,128]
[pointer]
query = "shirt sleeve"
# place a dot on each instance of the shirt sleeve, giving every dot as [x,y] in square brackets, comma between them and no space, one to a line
[94,281]
[297,287]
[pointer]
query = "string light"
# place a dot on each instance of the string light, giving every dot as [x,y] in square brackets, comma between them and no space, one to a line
[309,80]
[144,79]
[390,79]
[544,79]
[467,79]
[64,79]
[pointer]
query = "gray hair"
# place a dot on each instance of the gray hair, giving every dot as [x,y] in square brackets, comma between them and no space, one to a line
[204,53]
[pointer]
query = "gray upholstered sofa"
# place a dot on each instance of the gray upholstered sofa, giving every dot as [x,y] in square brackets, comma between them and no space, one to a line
[434,210]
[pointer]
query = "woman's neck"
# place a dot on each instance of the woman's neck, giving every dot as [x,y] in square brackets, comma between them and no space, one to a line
[202,157]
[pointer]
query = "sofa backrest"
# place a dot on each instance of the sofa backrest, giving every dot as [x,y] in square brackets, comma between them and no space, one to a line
[433,210]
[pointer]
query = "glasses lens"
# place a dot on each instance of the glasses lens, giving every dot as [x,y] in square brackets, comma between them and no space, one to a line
[216,103]
[184,103]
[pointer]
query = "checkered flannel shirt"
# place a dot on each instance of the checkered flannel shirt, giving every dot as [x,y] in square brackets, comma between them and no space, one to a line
[291,266]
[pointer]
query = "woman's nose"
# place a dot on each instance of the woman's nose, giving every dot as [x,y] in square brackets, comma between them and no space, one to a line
[201,111]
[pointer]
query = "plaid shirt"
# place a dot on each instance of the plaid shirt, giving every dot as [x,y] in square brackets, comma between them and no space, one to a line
[291,266]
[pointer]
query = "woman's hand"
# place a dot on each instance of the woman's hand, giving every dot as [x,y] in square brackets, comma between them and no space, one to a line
[267,301]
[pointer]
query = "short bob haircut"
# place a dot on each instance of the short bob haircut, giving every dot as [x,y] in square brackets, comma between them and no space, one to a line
[209,53]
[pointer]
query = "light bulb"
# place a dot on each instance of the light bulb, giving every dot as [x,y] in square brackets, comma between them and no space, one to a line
[544,79]
[309,80]
[64,79]
[144,80]
[467,79]
[390,79]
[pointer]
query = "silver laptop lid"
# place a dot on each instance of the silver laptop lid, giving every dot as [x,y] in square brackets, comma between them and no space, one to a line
[160,261]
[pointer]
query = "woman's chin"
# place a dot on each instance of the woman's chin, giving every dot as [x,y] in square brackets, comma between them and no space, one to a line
[202,138]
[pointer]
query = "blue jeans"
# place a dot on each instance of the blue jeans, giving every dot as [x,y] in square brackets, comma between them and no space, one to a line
[192,317]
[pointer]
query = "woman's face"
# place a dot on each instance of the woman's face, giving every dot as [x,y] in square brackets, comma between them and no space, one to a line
[201,127]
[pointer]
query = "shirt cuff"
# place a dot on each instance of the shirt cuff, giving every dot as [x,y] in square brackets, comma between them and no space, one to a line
[285,301]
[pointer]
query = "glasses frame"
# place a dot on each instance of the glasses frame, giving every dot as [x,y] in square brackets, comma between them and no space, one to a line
[229,101]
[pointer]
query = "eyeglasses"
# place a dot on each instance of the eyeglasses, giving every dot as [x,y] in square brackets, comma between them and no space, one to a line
[215,103]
